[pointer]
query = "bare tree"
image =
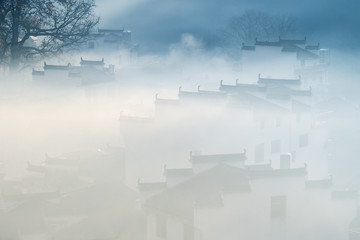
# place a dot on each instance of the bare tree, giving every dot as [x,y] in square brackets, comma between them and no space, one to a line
[255,24]
[56,24]
[282,25]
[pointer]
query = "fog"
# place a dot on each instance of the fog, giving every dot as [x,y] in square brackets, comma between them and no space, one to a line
[185,142]
[331,23]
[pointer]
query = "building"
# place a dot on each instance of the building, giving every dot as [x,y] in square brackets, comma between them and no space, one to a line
[256,202]
[73,196]
[270,119]
[109,39]
[287,57]
[89,72]
[117,44]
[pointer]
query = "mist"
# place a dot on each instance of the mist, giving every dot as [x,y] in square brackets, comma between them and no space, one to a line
[162,137]
[331,23]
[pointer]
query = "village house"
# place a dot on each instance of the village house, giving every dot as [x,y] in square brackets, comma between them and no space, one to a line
[288,57]
[77,195]
[273,118]
[89,72]
[116,43]
[254,202]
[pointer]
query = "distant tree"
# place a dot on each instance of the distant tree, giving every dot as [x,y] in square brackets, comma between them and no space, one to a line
[256,24]
[55,24]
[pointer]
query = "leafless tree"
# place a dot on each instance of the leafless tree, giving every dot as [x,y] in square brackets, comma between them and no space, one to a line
[56,24]
[255,24]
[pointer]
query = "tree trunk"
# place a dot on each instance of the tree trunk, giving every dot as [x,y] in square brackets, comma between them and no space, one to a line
[14,47]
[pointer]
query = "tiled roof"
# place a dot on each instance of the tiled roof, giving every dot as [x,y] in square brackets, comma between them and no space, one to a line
[247,47]
[166,101]
[291,172]
[292,41]
[57,67]
[267,43]
[301,52]
[257,167]
[241,87]
[280,81]
[203,190]
[38,73]
[220,158]
[92,62]
[319,183]
[291,45]
[312,47]
[302,92]
[202,94]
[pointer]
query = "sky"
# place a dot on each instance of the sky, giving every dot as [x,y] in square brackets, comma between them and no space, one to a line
[156,24]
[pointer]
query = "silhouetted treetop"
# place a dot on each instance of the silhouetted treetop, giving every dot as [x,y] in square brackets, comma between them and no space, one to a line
[54,25]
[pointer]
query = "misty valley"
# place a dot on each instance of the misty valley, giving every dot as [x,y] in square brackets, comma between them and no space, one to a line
[249,133]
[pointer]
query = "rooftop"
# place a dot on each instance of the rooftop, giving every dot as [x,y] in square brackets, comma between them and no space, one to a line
[284,81]
[202,94]
[203,190]
[301,53]
[221,158]
[247,47]
[281,42]
[319,183]
[38,73]
[270,173]
[292,41]
[259,167]
[166,101]
[178,172]
[241,87]
[57,67]
[312,47]
[92,62]
[268,43]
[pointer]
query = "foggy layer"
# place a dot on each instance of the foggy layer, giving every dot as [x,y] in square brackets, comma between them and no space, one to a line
[55,120]
[332,23]
[51,121]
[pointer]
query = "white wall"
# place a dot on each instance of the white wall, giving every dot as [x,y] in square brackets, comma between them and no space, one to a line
[311,214]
